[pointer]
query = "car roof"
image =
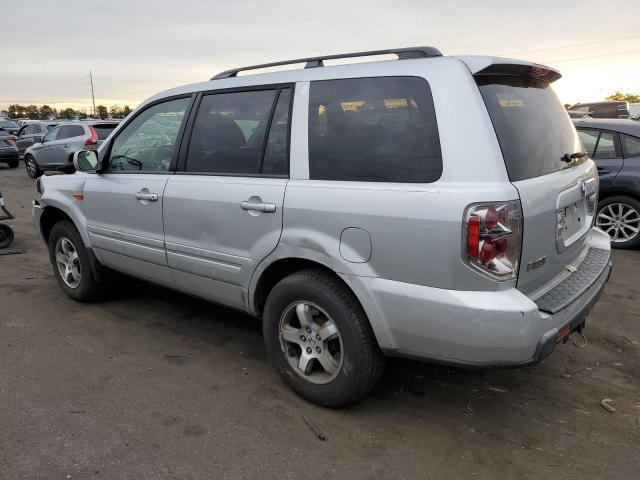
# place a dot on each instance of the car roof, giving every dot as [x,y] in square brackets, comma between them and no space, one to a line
[630,127]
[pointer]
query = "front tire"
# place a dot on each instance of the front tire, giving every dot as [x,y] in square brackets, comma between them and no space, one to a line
[33,170]
[70,261]
[320,339]
[619,217]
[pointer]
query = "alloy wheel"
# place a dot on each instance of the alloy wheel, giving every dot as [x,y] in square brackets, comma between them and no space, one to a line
[31,167]
[68,262]
[311,342]
[620,221]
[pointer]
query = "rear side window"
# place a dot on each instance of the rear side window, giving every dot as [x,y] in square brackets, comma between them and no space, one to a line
[242,133]
[630,146]
[70,131]
[532,126]
[373,129]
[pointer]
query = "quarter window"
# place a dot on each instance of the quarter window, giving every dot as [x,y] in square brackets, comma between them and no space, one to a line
[146,144]
[630,146]
[373,129]
[229,133]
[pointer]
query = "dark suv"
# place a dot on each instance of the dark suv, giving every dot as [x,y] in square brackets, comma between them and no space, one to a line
[609,109]
[615,146]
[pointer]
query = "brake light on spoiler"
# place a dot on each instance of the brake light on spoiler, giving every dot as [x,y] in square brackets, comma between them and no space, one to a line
[492,238]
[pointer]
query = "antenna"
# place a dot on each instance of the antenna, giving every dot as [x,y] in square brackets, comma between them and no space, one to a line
[92,95]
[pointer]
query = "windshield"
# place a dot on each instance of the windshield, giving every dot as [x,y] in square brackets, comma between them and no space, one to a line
[532,126]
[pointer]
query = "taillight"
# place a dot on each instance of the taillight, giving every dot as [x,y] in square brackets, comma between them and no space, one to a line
[93,139]
[10,138]
[493,238]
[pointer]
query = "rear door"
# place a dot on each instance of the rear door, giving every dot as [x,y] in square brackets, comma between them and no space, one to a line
[604,148]
[123,204]
[63,147]
[223,210]
[536,135]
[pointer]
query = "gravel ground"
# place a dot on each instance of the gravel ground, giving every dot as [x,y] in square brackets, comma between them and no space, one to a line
[152,384]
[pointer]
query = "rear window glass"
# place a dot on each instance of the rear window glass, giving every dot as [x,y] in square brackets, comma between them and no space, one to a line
[532,126]
[103,131]
[373,129]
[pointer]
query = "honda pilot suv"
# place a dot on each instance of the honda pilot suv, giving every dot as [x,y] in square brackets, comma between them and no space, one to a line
[433,207]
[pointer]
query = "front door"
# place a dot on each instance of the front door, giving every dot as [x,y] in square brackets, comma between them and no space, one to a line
[123,204]
[223,212]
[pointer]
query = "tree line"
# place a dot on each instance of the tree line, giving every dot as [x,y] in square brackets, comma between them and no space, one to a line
[45,112]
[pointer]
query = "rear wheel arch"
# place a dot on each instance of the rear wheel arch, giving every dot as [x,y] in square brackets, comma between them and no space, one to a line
[279,270]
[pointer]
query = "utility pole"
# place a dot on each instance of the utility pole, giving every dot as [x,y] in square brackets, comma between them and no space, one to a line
[93,97]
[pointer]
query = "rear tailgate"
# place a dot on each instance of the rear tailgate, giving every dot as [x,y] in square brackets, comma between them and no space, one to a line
[557,192]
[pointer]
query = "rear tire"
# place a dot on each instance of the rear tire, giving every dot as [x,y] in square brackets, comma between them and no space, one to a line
[6,235]
[312,314]
[619,217]
[13,163]
[70,262]
[33,170]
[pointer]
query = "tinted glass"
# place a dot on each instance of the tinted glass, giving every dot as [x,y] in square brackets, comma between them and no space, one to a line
[70,131]
[228,133]
[7,124]
[630,146]
[532,126]
[373,129]
[606,147]
[28,130]
[146,144]
[275,154]
[589,139]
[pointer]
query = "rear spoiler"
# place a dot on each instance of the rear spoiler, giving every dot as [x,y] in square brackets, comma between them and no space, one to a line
[480,66]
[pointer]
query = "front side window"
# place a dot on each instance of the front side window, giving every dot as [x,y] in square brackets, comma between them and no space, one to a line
[630,146]
[146,144]
[51,135]
[373,129]
[229,132]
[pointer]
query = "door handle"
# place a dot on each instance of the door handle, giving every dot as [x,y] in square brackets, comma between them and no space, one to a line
[150,197]
[603,170]
[258,206]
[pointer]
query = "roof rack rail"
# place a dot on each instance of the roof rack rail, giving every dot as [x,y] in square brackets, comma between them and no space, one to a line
[313,62]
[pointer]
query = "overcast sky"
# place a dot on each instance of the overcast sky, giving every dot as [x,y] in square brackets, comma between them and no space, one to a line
[138,47]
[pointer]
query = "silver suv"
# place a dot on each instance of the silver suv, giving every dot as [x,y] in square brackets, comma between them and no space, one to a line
[432,207]
[56,147]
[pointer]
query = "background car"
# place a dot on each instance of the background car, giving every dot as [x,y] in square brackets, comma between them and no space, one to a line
[608,109]
[31,133]
[61,142]
[9,126]
[634,111]
[615,147]
[8,149]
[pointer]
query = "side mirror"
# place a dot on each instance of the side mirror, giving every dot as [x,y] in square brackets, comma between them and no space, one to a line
[86,161]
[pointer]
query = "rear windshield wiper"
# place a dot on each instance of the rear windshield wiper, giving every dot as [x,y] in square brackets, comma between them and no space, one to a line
[570,157]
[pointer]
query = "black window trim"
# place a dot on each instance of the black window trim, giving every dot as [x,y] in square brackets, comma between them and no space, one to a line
[184,147]
[435,117]
[177,146]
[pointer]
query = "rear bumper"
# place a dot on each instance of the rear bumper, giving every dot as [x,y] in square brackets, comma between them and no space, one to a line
[6,155]
[471,328]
